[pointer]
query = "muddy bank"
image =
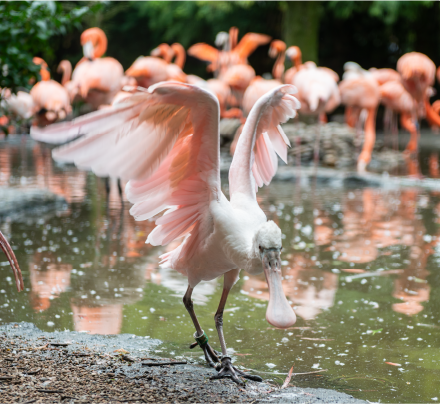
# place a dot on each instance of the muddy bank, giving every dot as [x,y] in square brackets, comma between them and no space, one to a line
[73,367]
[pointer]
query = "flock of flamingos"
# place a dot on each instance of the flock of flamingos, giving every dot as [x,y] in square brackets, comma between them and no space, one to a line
[158,128]
[101,82]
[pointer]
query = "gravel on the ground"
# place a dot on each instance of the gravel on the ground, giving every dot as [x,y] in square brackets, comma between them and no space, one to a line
[72,367]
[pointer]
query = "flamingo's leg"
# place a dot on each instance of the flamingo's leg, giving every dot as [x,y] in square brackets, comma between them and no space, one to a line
[210,354]
[226,368]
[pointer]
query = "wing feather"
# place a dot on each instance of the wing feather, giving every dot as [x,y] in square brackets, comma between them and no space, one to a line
[166,143]
[261,140]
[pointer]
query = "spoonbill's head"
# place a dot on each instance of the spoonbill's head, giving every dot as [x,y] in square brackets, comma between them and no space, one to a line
[268,242]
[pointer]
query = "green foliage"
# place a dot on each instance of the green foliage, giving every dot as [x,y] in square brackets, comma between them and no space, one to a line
[190,21]
[25,31]
[387,11]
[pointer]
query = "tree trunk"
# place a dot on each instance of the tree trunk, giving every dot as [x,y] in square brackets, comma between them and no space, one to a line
[301,27]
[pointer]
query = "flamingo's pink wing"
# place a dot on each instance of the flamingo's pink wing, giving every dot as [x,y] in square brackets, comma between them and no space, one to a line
[204,52]
[249,43]
[166,142]
[261,140]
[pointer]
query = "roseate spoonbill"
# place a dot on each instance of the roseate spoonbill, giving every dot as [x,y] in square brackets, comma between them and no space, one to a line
[221,60]
[170,153]
[7,249]
[362,92]
[96,79]
[51,100]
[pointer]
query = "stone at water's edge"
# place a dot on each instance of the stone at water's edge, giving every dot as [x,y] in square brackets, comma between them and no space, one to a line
[14,200]
[195,377]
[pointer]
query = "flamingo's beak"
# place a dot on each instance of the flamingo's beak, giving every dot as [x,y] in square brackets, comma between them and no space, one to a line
[12,261]
[279,313]
[88,50]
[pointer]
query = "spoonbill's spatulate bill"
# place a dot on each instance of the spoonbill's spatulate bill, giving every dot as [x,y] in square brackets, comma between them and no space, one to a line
[5,246]
[166,142]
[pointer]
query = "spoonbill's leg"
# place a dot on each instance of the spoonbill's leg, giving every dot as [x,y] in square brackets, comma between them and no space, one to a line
[210,354]
[227,369]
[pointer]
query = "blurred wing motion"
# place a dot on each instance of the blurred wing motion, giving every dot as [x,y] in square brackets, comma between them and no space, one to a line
[166,142]
[255,161]
[12,261]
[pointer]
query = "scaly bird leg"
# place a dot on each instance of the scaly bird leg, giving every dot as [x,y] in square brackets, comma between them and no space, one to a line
[210,354]
[227,369]
[12,261]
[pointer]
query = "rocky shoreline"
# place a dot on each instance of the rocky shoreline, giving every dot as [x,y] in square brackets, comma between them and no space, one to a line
[73,367]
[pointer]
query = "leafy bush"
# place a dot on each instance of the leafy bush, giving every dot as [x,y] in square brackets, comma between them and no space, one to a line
[25,31]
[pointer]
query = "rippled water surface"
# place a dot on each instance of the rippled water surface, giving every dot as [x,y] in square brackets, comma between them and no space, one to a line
[360,266]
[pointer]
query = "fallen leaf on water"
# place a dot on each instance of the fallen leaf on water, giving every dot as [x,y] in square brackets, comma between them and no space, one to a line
[121,351]
[317,339]
[393,364]
[353,270]
[242,354]
[287,381]
[162,319]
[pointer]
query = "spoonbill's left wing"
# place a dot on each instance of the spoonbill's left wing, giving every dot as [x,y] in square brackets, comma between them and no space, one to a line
[255,159]
[166,142]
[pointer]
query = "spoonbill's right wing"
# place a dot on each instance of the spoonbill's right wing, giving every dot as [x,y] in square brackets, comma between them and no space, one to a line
[166,142]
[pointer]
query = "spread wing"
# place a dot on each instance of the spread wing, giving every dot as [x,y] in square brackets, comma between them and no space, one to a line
[249,43]
[255,159]
[204,52]
[166,142]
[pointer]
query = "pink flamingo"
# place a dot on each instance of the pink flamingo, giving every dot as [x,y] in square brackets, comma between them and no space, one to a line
[260,86]
[170,153]
[51,100]
[418,74]
[234,54]
[96,79]
[362,92]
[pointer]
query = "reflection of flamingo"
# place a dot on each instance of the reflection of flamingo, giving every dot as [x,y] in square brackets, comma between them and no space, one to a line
[177,125]
[7,249]
[48,282]
[51,100]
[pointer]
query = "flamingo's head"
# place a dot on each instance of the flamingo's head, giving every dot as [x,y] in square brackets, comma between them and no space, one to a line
[268,241]
[94,43]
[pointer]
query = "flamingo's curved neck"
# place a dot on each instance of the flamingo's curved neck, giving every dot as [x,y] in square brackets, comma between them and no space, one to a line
[66,68]
[278,67]
[100,45]
[180,54]
[432,117]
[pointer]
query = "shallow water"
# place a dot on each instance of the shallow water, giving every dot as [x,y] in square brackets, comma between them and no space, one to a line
[360,266]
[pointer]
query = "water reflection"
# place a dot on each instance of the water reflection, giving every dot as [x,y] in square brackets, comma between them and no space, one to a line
[360,267]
